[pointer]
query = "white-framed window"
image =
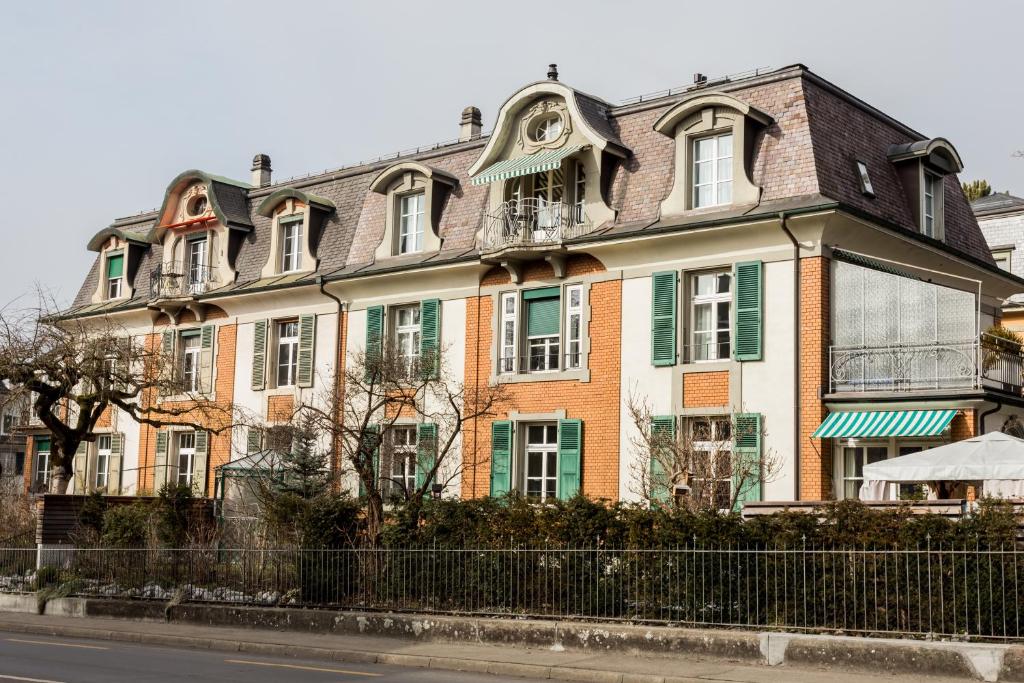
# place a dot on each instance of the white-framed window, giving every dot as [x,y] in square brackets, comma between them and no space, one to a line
[854,459]
[102,460]
[287,352]
[186,457]
[115,275]
[866,188]
[580,195]
[548,190]
[291,246]
[932,204]
[710,315]
[191,353]
[573,327]
[542,332]
[410,223]
[400,461]
[507,353]
[540,461]
[198,265]
[42,462]
[712,170]
[711,447]
[405,332]
[1002,257]
[548,129]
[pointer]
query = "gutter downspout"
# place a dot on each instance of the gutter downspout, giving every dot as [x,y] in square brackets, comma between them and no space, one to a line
[981,418]
[796,353]
[335,455]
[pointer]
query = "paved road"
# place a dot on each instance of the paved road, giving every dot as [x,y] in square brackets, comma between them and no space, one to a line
[41,659]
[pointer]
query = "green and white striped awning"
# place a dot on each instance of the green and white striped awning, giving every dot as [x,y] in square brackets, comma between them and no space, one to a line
[531,163]
[884,423]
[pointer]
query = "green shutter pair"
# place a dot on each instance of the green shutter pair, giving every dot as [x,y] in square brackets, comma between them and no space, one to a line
[570,451]
[662,426]
[304,362]
[748,474]
[748,317]
[430,337]
[207,336]
[161,463]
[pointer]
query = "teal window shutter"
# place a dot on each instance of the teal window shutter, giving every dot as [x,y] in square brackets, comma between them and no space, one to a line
[254,440]
[206,336]
[662,427]
[746,452]
[426,452]
[430,337]
[374,338]
[259,355]
[167,344]
[501,457]
[748,306]
[199,463]
[160,461]
[664,287]
[370,447]
[570,447]
[115,266]
[307,342]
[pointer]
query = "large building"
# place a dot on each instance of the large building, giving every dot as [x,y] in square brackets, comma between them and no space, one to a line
[766,245]
[1001,218]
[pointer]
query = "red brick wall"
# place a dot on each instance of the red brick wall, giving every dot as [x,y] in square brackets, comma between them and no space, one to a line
[706,389]
[815,454]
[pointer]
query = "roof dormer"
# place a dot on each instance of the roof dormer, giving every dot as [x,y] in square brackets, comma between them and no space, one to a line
[922,166]
[297,224]
[415,195]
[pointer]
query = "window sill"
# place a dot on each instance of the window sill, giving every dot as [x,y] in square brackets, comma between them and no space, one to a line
[580,375]
[705,366]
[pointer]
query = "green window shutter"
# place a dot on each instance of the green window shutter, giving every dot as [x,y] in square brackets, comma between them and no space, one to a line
[115,266]
[259,355]
[748,310]
[206,339]
[426,452]
[114,464]
[199,463]
[430,336]
[253,440]
[543,316]
[662,427]
[167,345]
[570,447]
[746,453]
[81,464]
[160,461]
[664,287]
[307,344]
[501,457]
[374,338]
[370,447]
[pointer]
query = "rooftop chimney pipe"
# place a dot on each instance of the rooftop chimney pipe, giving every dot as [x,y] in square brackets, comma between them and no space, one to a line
[470,126]
[261,170]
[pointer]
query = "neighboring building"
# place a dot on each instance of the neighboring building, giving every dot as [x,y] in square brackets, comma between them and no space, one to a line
[767,245]
[1001,218]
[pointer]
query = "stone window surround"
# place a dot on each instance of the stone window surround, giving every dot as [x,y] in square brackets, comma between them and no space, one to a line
[705,115]
[519,422]
[401,180]
[289,210]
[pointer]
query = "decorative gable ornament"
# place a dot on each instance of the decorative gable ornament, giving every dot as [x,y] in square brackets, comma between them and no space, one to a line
[535,118]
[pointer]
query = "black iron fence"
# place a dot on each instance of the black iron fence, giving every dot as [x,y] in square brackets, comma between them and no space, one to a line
[961,591]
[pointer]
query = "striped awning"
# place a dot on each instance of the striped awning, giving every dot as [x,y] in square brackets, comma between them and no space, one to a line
[884,423]
[531,163]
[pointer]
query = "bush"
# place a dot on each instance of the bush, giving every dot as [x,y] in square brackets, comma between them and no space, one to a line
[126,526]
[174,507]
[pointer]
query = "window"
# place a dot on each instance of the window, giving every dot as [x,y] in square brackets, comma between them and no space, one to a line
[931,204]
[197,207]
[406,334]
[854,459]
[712,170]
[115,275]
[186,457]
[507,359]
[710,315]
[865,180]
[42,469]
[541,461]
[287,352]
[1002,258]
[102,460]
[410,226]
[542,329]
[580,196]
[190,361]
[573,326]
[291,245]
[400,462]
[711,448]
[8,424]
[548,129]
[198,268]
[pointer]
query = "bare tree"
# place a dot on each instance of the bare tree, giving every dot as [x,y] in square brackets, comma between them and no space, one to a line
[701,463]
[70,371]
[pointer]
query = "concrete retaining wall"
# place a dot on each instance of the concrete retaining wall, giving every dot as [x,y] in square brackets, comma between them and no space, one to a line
[989,662]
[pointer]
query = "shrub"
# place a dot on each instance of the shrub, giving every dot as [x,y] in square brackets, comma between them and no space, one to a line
[174,507]
[126,526]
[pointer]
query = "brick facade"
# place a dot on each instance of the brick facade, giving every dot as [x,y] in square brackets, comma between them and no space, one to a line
[815,454]
[706,389]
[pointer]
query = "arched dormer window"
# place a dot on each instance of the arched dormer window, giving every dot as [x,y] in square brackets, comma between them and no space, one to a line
[121,249]
[298,222]
[714,135]
[415,196]
[923,166]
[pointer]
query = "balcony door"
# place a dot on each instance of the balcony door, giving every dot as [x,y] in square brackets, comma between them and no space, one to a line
[536,202]
[198,265]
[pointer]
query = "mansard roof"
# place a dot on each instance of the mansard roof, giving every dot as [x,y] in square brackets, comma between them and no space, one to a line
[997,203]
[804,155]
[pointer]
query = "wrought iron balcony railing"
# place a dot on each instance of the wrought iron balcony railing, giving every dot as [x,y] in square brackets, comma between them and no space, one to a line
[177,280]
[987,363]
[532,222]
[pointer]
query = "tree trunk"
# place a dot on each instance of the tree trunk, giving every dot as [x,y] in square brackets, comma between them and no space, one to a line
[59,480]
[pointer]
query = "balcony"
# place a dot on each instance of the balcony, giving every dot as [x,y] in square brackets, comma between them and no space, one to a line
[990,363]
[531,224]
[180,281]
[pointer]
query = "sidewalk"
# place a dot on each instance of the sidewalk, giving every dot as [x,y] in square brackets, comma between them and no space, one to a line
[536,663]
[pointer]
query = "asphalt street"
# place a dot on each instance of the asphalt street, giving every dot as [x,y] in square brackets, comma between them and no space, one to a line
[41,659]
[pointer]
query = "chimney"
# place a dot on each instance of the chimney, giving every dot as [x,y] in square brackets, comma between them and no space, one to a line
[552,72]
[470,127]
[261,170]
[699,79]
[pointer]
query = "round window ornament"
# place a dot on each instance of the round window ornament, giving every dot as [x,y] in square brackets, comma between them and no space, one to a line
[548,129]
[197,207]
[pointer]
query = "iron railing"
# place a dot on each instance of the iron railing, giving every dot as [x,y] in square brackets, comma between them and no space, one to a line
[532,222]
[989,362]
[175,280]
[937,591]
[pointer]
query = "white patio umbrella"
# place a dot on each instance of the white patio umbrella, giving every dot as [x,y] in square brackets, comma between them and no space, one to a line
[995,458]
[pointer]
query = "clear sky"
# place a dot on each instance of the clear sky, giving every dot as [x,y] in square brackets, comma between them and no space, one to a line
[103,103]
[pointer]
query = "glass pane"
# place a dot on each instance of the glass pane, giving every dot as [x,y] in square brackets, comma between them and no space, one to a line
[724,169]
[552,434]
[705,196]
[849,461]
[723,308]
[725,145]
[703,149]
[705,284]
[724,282]
[702,317]
[702,173]
[701,345]
[574,297]
[725,192]
[877,454]
[535,434]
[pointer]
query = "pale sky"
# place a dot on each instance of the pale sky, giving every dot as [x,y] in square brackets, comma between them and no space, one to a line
[103,103]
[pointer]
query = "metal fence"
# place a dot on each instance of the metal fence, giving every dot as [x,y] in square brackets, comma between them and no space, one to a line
[948,591]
